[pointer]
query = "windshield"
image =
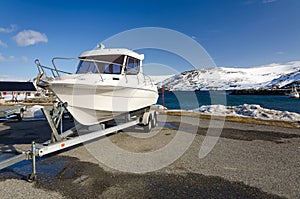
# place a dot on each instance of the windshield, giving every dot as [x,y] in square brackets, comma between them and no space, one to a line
[107,64]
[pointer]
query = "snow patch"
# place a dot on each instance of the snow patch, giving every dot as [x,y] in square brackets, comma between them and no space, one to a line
[249,110]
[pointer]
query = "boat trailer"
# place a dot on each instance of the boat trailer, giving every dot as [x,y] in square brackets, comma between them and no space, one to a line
[62,140]
[8,112]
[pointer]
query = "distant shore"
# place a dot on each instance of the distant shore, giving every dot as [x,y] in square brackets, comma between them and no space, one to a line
[260,92]
[247,91]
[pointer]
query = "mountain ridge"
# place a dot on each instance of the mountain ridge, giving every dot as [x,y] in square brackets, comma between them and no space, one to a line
[222,78]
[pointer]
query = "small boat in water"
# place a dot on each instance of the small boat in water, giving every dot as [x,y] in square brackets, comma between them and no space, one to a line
[107,83]
[294,93]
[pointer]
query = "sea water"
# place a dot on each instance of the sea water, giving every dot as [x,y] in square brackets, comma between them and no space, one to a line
[191,100]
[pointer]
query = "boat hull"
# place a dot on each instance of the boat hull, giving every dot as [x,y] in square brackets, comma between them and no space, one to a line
[294,95]
[92,104]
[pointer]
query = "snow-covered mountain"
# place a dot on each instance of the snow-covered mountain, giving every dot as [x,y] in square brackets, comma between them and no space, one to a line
[159,78]
[267,76]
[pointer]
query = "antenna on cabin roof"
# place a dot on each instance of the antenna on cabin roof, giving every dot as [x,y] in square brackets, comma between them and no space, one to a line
[101,46]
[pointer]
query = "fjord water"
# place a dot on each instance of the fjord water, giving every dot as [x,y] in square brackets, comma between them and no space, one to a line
[188,100]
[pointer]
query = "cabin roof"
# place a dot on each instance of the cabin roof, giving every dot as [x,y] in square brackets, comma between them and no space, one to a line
[16,86]
[112,51]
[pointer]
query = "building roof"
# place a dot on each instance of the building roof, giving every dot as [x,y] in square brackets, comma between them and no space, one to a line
[17,86]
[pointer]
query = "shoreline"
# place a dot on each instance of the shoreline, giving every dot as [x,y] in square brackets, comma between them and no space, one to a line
[260,92]
[252,114]
[241,91]
[239,119]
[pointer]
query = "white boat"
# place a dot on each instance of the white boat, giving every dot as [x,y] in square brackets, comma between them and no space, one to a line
[294,93]
[107,83]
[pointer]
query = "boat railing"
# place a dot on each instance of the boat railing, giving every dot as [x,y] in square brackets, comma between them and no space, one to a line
[147,76]
[78,59]
[89,60]
[54,71]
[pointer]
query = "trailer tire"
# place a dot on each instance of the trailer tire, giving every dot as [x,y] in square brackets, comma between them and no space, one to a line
[154,120]
[31,178]
[148,127]
[20,115]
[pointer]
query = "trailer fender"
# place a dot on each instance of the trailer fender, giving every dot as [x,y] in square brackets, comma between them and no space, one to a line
[146,116]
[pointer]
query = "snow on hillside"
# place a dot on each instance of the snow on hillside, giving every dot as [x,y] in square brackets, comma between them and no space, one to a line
[249,110]
[286,80]
[267,76]
[159,78]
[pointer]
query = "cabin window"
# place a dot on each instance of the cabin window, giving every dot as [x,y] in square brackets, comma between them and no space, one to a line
[107,64]
[113,69]
[132,66]
[86,67]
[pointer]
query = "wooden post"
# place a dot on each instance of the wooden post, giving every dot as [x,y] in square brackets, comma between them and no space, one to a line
[163,95]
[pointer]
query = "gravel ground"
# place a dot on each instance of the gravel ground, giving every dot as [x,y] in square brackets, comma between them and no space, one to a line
[248,161]
[15,188]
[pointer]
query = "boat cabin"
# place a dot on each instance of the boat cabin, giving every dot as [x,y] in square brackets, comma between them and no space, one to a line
[110,61]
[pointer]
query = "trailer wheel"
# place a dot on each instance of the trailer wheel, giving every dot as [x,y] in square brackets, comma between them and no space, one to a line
[31,178]
[148,127]
[20,116]
[154,120]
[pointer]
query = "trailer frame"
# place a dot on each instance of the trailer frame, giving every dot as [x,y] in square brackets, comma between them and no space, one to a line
[62,140]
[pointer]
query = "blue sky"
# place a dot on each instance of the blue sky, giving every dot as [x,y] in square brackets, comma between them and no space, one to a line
[236,33]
